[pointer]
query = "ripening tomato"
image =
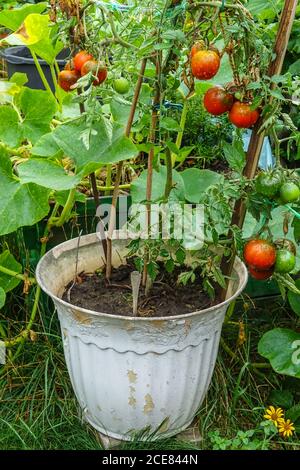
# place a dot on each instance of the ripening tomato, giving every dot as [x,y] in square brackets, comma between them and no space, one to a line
[285,261]
[98,69]
[205,64]
[261,275]
[67,78]
[217,101]
[242,116]
[260,254]
[80,59]
[268,183]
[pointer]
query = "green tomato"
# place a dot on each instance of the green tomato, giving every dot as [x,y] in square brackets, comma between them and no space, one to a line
[268,183]
[289,192]
[121,85]
[285,261]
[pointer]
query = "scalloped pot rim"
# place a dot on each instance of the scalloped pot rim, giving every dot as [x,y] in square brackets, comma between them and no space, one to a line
[70,245]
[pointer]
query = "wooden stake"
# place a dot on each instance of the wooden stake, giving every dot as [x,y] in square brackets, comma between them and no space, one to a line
[257,139]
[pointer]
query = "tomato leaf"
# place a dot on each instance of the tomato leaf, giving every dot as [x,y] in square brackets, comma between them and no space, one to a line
[107,142]
[235,156]
[282,348]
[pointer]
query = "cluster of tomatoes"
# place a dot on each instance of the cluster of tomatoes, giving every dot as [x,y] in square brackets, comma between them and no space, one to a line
[264,258]
[205,63]
[272,185]
[81,64]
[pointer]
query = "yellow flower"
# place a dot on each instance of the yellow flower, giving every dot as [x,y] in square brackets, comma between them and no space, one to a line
[274,415]
[285,427]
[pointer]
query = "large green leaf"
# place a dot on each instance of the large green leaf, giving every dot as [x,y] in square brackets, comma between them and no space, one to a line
[12,19]
[138,187]
[294,299]
[196,183]
[38,107]
[48,174]
[97,142]
[282,348]
[2,297]
[20,204]
[46,146]
[8,283]
[37,33]
[10,131]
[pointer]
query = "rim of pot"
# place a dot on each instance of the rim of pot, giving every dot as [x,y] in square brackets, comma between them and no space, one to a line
[53,296]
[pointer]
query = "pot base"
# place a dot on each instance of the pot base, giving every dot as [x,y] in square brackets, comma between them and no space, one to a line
[188,433]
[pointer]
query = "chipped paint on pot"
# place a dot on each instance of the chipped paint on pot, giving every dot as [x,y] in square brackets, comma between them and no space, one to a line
[129,373]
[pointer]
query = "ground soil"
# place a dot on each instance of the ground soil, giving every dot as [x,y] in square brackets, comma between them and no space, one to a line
[166,298]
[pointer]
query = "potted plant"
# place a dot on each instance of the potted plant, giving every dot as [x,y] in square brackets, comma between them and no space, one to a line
[142,308]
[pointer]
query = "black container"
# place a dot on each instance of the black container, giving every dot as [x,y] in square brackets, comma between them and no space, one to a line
[19,59]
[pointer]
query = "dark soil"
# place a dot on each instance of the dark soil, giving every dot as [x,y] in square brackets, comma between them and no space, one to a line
[166,298]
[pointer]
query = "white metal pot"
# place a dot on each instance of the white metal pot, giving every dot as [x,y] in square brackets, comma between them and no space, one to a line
[130,373]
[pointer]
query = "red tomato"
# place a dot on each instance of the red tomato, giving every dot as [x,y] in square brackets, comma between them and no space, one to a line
[242,116]
[261,275]
[80,59]
[67,78]
[260,254]
[97,68]
[217,101]
[205,64]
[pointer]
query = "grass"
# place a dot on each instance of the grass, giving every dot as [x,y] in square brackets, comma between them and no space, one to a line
[39,410]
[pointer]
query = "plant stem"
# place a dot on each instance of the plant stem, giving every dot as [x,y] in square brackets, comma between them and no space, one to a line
[277,147]
[40,71]
[22,277]
[182,127]
[108,179]
[169,181]
[57,92]
[112,220]
[65,215]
